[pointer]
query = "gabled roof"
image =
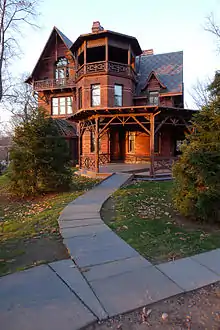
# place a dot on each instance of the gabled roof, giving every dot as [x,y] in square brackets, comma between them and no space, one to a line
[168,68]
[153,74]
[65,40]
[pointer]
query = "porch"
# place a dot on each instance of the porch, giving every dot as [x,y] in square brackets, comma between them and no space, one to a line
[138,139]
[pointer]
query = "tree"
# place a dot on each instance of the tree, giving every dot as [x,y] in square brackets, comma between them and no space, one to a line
[197,172]
[22,103]
[200,93]
[212,27]
[39,156]
[14,15]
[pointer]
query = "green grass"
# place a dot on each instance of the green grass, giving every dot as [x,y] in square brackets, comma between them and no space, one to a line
[143,216]
[29,232]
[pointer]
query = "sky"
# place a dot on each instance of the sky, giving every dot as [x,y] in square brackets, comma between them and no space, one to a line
[164,25]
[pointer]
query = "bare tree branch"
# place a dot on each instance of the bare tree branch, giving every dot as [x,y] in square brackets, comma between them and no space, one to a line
[200,93]
[14,16]
[212,27]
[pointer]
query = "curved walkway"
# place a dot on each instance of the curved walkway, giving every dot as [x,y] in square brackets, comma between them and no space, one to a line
[105,277]
[120,279]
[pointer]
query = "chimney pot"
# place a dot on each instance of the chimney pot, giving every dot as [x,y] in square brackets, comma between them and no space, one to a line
[96,27]
[148,52]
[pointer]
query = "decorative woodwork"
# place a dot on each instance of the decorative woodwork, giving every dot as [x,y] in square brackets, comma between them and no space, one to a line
[49,84]
[106,67]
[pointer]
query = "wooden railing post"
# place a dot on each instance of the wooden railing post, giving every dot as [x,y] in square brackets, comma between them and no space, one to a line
[152,171]
[85,47]
[79,145]
[97,145]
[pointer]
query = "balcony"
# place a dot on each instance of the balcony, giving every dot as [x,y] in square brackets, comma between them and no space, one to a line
[109,67]
[49,84]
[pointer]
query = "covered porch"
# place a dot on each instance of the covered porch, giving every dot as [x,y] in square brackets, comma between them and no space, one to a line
[131,139]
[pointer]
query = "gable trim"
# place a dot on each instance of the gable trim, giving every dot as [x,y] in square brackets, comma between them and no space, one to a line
[153,73]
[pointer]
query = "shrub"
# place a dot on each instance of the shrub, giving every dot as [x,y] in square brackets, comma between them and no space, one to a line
[197,172]
[39,157]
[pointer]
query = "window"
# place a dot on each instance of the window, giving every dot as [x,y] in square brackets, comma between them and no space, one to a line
[131,141]
[80,98]
[154,98]
[62,105]
[61,69]
[95,95]
[92,141]
[118,95]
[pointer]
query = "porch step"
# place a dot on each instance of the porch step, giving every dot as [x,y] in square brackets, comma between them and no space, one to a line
[158,177]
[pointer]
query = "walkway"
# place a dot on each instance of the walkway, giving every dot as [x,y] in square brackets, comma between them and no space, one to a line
[106,277]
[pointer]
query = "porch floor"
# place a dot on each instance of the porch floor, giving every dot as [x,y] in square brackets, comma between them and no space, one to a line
[123,168]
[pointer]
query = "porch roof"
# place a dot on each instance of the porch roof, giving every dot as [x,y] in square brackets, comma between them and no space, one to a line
[84,114]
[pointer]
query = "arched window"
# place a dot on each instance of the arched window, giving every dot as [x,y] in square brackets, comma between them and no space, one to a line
[61,68]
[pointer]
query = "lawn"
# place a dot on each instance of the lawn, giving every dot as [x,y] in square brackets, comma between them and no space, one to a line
[142,214]
[29,233]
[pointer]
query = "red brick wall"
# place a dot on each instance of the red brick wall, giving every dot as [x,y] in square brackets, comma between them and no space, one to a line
[45,100]
[86,143]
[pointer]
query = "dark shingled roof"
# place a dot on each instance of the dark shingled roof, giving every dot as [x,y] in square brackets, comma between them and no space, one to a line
[66,128]
[168,68]
[66,40]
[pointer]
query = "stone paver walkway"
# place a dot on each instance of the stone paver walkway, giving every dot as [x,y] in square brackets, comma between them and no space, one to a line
[119,277]
[105,277]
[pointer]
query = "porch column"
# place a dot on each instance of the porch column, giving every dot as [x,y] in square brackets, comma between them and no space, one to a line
[79,145]
[152,145]
[97,145]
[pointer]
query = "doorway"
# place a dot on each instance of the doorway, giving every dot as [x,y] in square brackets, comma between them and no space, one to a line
[117,145]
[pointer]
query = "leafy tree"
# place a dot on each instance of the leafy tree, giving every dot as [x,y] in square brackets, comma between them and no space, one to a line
[197,173]
[40,160]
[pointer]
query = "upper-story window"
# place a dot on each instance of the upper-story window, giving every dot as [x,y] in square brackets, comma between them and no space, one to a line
[95,95]
[80,98]
[61,69]
[153,98]
[62,105]
[118,95]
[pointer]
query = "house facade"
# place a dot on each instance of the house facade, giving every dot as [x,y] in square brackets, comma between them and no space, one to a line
[127,104]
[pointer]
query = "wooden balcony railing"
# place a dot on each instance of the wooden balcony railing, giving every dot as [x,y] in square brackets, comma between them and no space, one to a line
[106,67]
[48,84]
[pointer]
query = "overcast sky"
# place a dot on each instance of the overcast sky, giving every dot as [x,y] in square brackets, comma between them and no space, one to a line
[165,26]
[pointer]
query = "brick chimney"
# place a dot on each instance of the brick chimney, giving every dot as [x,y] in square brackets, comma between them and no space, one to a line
[96,27]
[148,52]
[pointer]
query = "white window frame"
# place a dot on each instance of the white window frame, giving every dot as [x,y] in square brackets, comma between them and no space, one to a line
[62,105]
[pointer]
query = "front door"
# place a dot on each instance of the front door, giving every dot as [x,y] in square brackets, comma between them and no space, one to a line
[117,144]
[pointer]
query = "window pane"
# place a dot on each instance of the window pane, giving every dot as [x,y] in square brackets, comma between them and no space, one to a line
[54,106]
[95,95]
[62,105]
[118,101]
[118,95]
[95,100]
[69,104]
[96,89]
[131,141]
[118,90]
